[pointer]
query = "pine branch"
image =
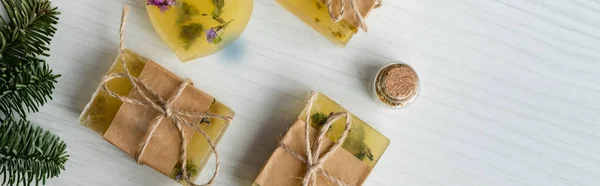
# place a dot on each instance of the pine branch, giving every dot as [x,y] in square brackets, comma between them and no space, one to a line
[29,153]
[30,26]
[26,82]
[32,88]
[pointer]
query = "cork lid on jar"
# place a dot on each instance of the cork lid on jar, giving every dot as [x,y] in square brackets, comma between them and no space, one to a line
[396,85]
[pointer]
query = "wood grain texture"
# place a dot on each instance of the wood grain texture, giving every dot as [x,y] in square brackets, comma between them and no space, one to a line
[510,89]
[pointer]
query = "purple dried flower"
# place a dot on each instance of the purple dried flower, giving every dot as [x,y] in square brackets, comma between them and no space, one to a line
[162,4]
[211,35]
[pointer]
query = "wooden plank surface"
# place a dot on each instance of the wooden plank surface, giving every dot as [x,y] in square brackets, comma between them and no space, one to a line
[510,89]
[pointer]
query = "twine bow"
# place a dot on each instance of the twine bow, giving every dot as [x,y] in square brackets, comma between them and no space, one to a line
[355,11]
[313,160]
[164,108]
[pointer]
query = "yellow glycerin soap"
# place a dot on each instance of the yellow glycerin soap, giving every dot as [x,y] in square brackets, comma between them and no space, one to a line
[351,164]
[364,142]
[198,28]
[316,13]
[102,109]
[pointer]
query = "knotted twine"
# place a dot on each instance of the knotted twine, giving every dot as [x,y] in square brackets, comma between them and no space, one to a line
[355,11]
[163,107]
[313,160]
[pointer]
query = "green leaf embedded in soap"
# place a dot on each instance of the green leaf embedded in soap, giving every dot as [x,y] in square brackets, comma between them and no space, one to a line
[218,7]
[205,120]
[186,12]
[191,170]
[169,25]
[217,40]
[356,144]
[219,3]
[364,152]
[319,119]
[189,33]
[216,13]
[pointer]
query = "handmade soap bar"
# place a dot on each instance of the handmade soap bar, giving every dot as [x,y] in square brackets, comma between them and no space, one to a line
[360,151]
[184,26]
[316,14]
[364,142]
[102,109]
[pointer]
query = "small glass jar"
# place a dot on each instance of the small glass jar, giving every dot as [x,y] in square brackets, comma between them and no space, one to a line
[395,85]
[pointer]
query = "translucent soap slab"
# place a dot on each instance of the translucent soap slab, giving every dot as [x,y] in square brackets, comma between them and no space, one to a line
[366,143]
[315,14]
[184,18]
[102,108]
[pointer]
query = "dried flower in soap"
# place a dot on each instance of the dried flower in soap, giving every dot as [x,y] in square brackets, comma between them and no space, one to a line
[162,4]
[214,34]
[211,35]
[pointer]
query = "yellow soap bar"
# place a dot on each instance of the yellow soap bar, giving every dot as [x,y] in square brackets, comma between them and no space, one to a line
[183,26]
[315,14]
[363,141]
[100,112]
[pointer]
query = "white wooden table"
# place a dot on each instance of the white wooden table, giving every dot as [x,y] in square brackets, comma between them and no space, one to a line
[510,89]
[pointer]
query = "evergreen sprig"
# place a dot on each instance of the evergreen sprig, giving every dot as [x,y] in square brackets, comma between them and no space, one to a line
[29,153]
[32,87]
[26,82]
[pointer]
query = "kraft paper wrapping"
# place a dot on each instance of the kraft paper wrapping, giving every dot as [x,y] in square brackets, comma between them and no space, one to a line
[283,168]
[132,122]
[364,7]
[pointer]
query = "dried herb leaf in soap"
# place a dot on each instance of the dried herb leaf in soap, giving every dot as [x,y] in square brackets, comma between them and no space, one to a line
[186,12]
[319,120]
[355,144]
[205,120]
[217,40]
[191,170]
[355,141]
[218,7]
[189,33]
[364,152]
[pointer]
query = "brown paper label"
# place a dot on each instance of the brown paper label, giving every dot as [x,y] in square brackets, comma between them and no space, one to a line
[285,169]
[364,7]
[132,122]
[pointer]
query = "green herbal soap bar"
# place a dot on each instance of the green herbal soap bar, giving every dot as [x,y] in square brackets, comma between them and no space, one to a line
[100,111]
[315,14]
[366,143]
[318,15]
[184,26]
[352,163]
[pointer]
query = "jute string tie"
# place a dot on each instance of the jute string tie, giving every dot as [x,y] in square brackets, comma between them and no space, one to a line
[164,108]
[336,17]
[313,159]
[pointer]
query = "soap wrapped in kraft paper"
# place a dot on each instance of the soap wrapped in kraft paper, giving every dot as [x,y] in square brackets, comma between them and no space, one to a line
[156,117]
[325,146]
[337,20]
